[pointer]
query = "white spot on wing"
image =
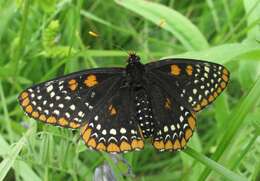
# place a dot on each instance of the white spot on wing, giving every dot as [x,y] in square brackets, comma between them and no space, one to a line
[112,131]
[165,129]
[72,107]
[52,94]
[49,88]
[122,130]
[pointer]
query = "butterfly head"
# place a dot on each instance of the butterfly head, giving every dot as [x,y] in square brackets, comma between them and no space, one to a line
[133,58]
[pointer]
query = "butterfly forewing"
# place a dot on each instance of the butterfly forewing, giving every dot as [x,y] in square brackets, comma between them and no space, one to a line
[66,101]
[113,128]
[196,83]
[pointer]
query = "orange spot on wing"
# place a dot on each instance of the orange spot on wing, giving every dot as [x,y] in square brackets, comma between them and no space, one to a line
[72,81]
[63,122]
[225,77]
[25,102]
[183,142]
[92,143]
[167,104]
[175,70]
[86,135]
[188,134]
[42,117]
[176,145]
[73,87]
[158,144]
[191,122]
[197,108]
[73,84]
[24,95]
[204,102]
[189,69]
[223,85]
[74,125]
[215,94]
[124,146]
[112,110]
[211,98]
[35,114]
[101,147]
[51,120]
[137,144]
[168,145]
[225,71]
[29,109]
[90,81]
[112,147]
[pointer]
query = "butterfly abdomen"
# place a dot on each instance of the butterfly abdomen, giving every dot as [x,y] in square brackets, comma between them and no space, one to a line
[144,114]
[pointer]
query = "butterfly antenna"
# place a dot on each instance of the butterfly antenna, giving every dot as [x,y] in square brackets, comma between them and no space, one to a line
[96,35]
[118,47]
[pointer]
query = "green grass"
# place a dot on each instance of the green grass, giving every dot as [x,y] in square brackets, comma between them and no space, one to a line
[43,39]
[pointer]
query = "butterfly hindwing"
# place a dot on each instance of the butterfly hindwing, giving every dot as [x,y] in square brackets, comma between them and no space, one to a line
[197,83]
[66,101]
[173,123]
[113,128]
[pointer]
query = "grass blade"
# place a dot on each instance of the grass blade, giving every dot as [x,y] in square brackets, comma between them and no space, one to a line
[9,160]
[182,28]
[214,165]
[237,118]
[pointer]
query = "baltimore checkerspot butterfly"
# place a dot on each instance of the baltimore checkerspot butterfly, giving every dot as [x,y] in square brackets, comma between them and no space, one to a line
[117,108]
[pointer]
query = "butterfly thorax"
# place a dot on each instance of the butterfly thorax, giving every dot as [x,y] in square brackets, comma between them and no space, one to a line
[135,70]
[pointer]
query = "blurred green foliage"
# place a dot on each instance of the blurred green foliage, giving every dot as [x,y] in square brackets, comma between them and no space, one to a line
[43,39]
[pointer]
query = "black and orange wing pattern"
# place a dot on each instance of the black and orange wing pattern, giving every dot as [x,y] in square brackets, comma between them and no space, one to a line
[113,127]
[117,108]
[68,100]
[195,83]
[173,123]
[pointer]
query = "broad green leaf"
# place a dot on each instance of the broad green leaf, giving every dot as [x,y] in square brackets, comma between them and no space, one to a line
[168,19]
[252,8]
[222,53]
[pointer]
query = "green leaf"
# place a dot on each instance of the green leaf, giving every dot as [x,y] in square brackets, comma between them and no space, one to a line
[182,28]
[214,165]
[252,8]
[222,53]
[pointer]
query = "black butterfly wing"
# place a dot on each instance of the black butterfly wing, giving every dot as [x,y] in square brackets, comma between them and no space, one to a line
[195,83]
[113,128]
[173,122]
[68,100]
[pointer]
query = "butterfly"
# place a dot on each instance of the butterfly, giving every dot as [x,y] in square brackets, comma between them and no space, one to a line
[116,109]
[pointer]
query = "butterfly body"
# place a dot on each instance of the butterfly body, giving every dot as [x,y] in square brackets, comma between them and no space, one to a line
[117,108]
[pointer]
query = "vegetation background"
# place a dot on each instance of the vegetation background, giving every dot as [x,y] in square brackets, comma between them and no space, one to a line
[43,39]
